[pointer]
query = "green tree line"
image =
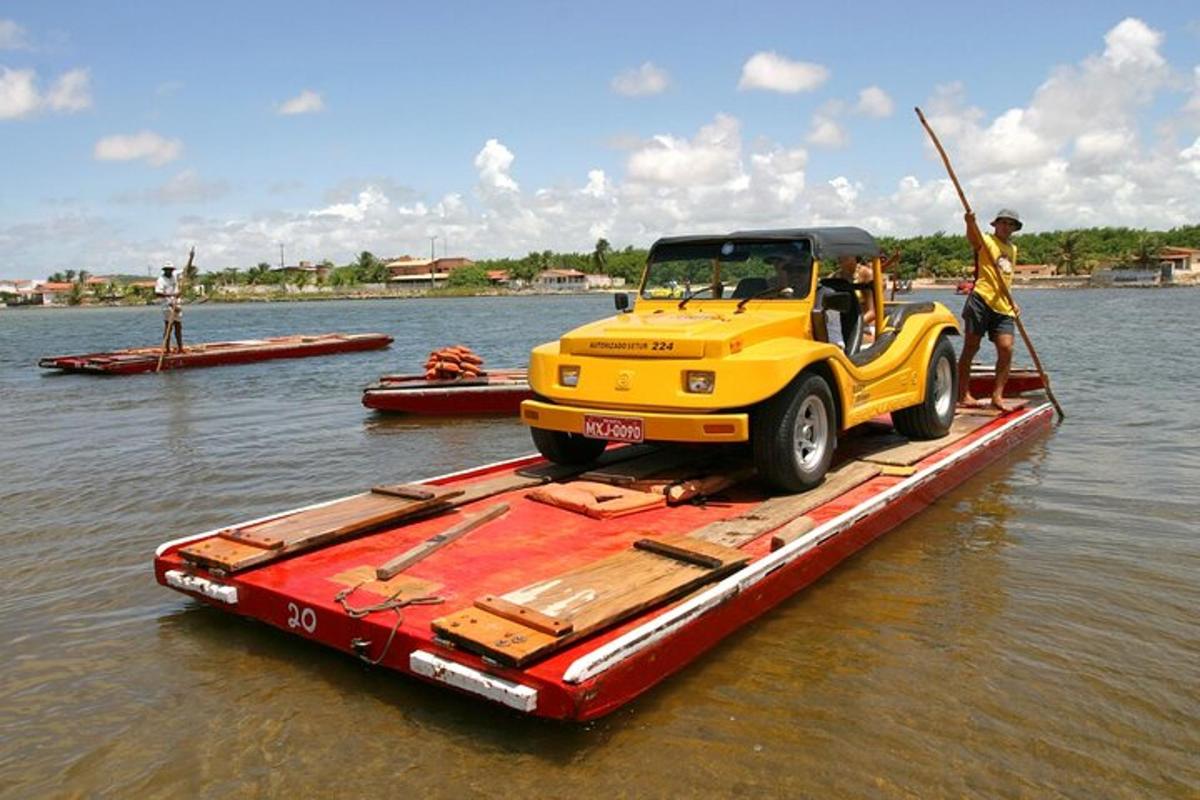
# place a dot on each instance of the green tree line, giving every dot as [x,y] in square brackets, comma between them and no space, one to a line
[1073,252]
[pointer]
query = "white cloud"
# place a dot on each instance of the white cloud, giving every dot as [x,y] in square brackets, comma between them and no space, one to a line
[772,72]
[874,102]
[71,92]
[1072,154]
[1193,103]
[149,146]
[710,158]
[1191,158]
[597,184]
[307,102]
[371,201]
[493,163]
[827,132]
[645,80]
[20,96]
[12,36]
[18,93]
[1132,42]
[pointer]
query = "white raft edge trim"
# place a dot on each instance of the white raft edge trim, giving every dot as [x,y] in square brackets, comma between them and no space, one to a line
[178,579]
[632,642]
[498,690]
[165,546]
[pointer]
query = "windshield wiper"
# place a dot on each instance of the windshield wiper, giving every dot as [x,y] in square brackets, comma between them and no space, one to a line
[772,290]
[696,293]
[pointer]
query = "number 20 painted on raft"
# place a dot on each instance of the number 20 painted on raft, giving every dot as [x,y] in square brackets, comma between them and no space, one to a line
[301,618]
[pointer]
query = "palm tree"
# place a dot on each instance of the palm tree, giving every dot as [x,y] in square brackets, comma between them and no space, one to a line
[600,256]
[1071,252]
[258,272]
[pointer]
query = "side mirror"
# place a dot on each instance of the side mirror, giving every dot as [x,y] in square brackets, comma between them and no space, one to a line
[621,301]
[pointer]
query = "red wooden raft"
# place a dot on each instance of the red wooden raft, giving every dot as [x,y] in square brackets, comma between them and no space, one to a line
[500,391]
[565,593]
[212,354]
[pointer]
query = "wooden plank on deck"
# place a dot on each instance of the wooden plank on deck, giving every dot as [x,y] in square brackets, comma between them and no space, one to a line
[906,453]
[352,515]
[590,598]
[770,514]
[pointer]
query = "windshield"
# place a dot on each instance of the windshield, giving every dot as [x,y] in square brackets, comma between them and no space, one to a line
[727,269]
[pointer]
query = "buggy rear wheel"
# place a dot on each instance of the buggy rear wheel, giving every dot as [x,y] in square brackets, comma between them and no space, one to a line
[931,418]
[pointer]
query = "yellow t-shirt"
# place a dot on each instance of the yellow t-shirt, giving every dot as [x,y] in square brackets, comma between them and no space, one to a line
[1004,256]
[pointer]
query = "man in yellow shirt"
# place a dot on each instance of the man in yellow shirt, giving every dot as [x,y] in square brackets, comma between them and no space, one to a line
[987,309]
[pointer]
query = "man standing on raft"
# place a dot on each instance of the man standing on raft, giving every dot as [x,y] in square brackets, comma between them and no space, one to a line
[988,309]
[169,287]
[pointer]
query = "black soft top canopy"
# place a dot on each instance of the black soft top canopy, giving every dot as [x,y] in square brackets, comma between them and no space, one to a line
[827,243]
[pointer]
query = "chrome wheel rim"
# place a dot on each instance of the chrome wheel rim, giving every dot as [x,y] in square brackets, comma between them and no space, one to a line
[811,432]
[943,384]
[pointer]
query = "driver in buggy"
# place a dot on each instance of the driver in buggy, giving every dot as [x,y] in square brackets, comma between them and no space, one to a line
[793,274]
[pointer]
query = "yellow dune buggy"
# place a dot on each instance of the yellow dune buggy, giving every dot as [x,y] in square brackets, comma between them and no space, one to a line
[757,348]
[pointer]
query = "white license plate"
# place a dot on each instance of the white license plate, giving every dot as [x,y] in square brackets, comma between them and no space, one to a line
[614,429]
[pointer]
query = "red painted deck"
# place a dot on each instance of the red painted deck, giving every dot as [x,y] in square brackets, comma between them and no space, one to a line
[500,392]
[214,354]
[534,542]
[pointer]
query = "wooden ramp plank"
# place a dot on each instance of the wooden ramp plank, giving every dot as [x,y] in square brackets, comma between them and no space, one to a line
[906,453]
[225,555]
[336,520]
[587,599]
[238,548]
[770,514]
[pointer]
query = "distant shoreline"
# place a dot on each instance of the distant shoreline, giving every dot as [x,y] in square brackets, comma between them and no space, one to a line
[920,284]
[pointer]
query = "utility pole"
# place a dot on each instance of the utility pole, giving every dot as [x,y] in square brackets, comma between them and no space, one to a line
[432,263]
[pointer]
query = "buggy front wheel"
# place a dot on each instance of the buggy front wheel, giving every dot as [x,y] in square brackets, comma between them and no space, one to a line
[571,449]
[795,434]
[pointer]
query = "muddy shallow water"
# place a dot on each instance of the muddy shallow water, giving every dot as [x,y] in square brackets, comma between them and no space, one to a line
[1034,633]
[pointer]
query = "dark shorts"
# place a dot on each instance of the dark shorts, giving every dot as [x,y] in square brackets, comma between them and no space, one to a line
[979,318]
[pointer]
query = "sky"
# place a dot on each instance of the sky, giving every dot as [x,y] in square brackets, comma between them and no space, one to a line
[130,132]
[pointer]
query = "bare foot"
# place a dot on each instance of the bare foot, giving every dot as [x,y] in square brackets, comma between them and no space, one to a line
[998,404]
[967,401]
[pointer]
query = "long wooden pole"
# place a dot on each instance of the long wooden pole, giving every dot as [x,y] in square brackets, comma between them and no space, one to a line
[987,259]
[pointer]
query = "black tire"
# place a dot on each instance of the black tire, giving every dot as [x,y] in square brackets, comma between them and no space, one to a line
[931,418]
[795,433]
[567,448]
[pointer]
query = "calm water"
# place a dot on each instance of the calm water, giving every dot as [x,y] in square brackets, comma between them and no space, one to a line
[1034,634]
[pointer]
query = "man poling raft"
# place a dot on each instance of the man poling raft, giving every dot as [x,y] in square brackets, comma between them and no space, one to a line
[454,363]
[170,288]
[987,261]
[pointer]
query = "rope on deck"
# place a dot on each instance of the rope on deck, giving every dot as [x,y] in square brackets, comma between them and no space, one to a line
[392,603]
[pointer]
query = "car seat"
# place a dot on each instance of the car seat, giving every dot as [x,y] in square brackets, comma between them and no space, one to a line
[748,287]
[836,307]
